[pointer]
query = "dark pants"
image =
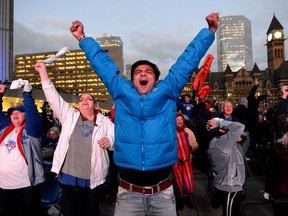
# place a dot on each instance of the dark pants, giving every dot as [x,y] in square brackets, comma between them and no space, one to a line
[80,201]
[280,209]
[230,202]
[23,201]
[113,169]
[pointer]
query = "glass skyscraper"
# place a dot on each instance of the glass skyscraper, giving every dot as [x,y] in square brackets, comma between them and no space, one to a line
[234,43]
[113,45]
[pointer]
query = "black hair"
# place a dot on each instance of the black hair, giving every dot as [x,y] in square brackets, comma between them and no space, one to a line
[188,95]
[145,62]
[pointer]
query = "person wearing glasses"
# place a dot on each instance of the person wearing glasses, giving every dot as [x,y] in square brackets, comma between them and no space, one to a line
[81,159]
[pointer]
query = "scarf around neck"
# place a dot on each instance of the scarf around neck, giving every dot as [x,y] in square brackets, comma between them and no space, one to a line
[7,131]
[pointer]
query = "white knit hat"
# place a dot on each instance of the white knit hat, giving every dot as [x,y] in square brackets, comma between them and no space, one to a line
[244,102]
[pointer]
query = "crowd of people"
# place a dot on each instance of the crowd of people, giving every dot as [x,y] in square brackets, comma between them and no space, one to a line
[226,155]
[147,143]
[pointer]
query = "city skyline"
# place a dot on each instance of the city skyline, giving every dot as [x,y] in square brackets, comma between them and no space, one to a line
[44,25]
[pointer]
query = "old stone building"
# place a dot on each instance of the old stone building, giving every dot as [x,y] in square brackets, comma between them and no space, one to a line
[231,85]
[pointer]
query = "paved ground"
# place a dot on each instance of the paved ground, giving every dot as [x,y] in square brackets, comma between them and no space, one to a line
[254,187]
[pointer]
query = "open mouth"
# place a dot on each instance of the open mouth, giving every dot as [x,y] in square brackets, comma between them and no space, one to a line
[143,82]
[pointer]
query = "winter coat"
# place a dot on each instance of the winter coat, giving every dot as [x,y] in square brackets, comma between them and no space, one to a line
[68,117]
[145,124]
[29,139]
[226,160]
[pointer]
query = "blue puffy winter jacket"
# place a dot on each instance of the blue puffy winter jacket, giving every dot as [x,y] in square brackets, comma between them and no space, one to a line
[145,125]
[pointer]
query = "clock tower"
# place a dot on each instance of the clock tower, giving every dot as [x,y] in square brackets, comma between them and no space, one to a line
[275,45]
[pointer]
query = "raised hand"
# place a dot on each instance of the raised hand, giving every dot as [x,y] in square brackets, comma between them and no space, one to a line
[213,20]
[77,30]
[40,67]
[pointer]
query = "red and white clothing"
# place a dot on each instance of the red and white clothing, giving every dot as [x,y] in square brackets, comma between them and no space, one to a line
[14,170]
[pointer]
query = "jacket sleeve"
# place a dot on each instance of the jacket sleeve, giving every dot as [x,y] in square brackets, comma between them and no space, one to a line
[252,92]
[109,132]
[261,98]
[234,131]
[34,123]
[204,112]
[189,60]
[102,64]
[59,106]
[4,120]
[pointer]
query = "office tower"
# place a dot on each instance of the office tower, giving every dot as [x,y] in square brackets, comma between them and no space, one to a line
[6,39]
[72,73]
[234,43]
[128,71]
[113,45]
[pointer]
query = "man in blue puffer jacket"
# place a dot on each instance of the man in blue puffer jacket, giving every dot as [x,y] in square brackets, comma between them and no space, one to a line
[145,130]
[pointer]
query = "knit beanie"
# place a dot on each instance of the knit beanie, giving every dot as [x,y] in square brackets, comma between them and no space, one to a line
[244,102]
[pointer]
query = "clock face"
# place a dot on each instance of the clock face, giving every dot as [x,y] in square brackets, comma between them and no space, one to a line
[277,34]
[269,38]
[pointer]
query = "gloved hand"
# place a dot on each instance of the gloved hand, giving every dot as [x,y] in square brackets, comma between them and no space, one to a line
[17,84]
[27,87]
[266,196]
